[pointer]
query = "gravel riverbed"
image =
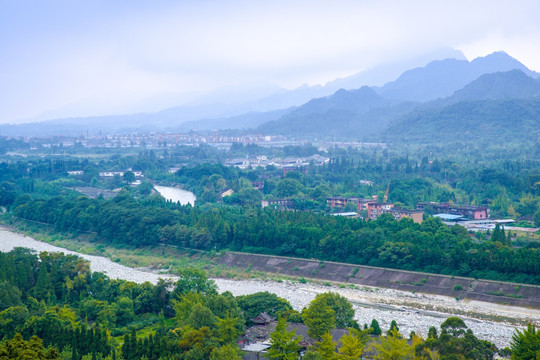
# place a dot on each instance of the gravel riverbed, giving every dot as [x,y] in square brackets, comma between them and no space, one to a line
[413,312]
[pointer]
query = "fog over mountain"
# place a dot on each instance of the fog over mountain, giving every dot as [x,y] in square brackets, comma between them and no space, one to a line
[367,115]
[304,111]
[441,78]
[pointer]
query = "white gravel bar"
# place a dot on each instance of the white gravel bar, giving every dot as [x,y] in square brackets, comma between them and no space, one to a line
[412,312]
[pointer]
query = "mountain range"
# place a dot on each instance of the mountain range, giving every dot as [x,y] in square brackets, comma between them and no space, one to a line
[414,108]
[455,93]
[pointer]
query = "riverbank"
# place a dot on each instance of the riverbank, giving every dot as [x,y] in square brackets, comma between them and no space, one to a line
[459,288]
[413,312]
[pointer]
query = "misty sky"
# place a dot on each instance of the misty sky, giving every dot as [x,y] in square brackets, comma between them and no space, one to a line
[95,57]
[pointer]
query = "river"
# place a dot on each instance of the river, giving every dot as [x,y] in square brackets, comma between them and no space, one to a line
[176,194]
[411,311]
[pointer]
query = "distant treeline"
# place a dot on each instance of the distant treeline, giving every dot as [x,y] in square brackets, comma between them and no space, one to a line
[431,246]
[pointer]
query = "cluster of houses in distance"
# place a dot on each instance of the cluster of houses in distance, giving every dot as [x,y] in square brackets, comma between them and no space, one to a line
[153,140]
[474,218]
[289,163]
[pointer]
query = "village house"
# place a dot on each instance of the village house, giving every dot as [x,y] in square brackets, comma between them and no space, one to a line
[239,163]
[376,209]
[76,172]
[280,204]
[227,192]
[469,211]
[340,201]
[259,185]
[416,215]
[111,174]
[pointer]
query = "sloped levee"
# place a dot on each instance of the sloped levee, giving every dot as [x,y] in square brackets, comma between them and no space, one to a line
[521,295]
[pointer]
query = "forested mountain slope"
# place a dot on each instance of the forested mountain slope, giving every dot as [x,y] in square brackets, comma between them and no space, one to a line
[506,120]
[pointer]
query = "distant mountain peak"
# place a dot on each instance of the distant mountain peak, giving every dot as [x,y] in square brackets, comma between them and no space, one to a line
[441,78]
[500,61]
[513,84]
[501,54]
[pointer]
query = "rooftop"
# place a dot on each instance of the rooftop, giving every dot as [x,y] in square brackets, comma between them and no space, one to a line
[449,216]
[257,347]
[346,214]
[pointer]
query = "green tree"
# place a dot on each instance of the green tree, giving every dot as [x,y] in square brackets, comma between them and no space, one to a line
[283,343]
[376,329]
[343,309]
[288,187]
[20,349]
[194,280]
[227,329]
[145,188]
[498,235]
[313,355]
[201,316]
[393,347]
[393,327]
[226,352]
[124,310]
[525,344]
[536,218]
[454,326]
[9,295]
[184,305]
[327,347]
[254,304]
[43,287]
[352,344]
[319,319]
[129,177]
[432,333]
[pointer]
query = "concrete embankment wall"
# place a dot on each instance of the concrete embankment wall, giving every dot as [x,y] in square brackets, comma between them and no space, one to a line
[458,287]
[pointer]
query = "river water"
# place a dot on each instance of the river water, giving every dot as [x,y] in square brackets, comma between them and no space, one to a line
[176,194]
[411,311]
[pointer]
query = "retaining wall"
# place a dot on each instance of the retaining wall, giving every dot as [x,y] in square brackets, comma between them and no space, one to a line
[522,295]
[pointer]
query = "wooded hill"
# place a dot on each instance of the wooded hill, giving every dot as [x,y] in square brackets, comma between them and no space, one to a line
[503,104]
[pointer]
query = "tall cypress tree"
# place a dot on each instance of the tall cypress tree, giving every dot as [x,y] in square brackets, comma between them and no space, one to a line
[133,345]
[43,283]
[376,328]
[125,347]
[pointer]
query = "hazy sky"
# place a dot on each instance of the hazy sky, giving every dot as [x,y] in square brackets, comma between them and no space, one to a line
[91,57]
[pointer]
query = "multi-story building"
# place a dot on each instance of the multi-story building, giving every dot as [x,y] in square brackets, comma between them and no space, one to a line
[280,204]
[470,211]
[340,201]
[376,209]
[416,215]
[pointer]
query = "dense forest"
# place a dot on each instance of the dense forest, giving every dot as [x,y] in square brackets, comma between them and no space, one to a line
[53,307]
[86,315]
[430,246]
